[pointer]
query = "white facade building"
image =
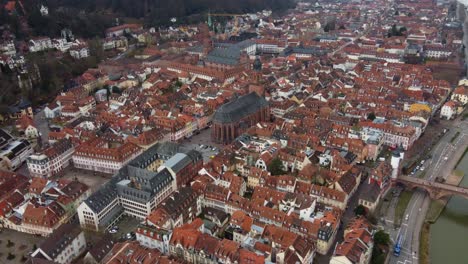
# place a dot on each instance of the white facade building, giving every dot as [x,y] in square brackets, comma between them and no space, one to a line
[52,160]
[63,246]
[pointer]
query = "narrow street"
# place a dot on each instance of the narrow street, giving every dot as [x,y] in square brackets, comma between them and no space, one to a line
[348,215]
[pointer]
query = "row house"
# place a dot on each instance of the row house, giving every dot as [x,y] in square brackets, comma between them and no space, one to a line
[356,247]
[133,252]
[394,136]
[120,42]
[43,206]
[293,161]
[301,204]
[460,94]
[436,51]
[63,246]
[80,51]
[192,245]
[40,44]
[255,175]
[180,208]
[287,247]
[325,195]
[102,159]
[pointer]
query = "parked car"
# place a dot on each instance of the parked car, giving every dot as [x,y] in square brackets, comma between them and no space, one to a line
[112,231]
[131,236]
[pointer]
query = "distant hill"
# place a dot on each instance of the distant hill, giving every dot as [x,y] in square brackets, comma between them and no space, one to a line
[160,11]
[90,18]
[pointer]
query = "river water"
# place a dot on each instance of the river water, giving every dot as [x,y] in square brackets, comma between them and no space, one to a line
[449,234]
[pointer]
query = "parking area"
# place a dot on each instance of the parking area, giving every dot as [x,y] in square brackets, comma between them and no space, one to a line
[202,143]
[15,246]
[125,225]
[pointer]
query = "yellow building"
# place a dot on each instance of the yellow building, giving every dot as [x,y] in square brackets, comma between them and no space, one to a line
[414,108]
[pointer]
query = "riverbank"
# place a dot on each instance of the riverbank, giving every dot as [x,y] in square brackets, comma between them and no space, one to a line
[437,206]
[435,210]
[424,243]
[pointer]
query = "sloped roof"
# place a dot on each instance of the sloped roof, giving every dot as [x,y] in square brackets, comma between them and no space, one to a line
[239,108]
[60,239]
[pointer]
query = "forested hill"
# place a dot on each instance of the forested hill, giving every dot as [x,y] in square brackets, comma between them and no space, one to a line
[160,11]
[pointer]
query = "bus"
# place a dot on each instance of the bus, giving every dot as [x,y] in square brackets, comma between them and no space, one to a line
[397,248]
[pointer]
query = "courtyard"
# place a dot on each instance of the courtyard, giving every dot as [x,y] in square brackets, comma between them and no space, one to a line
[15,246]
[92,179]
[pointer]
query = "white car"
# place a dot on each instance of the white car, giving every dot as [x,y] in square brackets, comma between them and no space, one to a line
[112,231]
[446,158]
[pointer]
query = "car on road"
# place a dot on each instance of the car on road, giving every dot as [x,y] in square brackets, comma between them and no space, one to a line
[422,168]
[131,236]
[407,217]
[445,158]
[112,231]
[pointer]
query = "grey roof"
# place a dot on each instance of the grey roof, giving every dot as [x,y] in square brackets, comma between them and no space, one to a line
[102,197]
[239,108]
[142,185]
[159,151]
[135,182]
[227,53]
[111,216]
[39,261]
[60,239]
[101,248]
[194,155]
[4,138]
[304,50]
[197,48]
[178,200]
[178,162]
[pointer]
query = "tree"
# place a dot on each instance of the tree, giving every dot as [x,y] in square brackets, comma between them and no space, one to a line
[371,116]
[360,210]
[95,48]
[378,258]
[10,256]
[9,242]
[381,238]
[276,167]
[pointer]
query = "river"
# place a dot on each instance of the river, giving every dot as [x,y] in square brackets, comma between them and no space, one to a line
[449,233]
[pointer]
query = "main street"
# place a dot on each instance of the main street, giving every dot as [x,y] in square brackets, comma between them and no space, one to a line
[444,158]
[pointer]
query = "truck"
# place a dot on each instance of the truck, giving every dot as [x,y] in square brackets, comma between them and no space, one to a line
[397,248]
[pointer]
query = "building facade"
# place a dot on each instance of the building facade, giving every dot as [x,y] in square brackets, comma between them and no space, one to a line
[52,160]
[136,189]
